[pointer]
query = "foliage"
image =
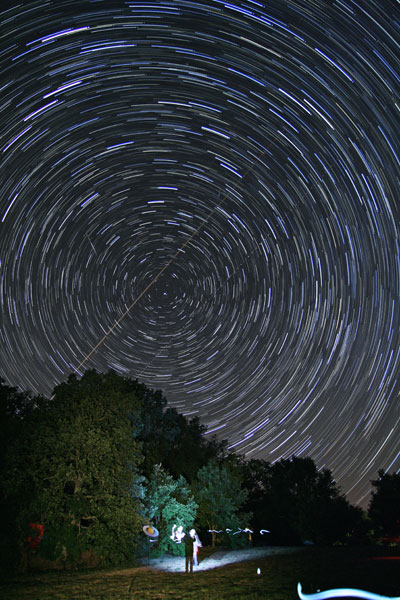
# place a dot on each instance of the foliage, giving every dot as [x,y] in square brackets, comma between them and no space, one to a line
[105,455]
[78,459]
[256,476]
[14,407]
[220,496]
[303,503]
[384,507]
[297,502]
[169,502]
[192,449]
[168,438]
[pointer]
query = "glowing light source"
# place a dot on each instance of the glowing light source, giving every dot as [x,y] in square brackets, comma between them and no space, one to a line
[177,534]
[240,530]
[151,532]
[343,592]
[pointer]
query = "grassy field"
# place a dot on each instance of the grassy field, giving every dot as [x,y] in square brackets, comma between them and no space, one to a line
[372,569]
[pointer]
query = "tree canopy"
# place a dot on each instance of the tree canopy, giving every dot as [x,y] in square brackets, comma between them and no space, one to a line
[167,437]
[74,467]
[14,407]
[297,502]
[384,507]
[169,502]
[84,470]
[220,497]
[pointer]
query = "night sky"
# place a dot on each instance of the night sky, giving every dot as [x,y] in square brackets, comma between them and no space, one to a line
[253,150]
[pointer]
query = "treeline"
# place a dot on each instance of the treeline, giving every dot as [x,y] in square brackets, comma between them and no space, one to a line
[84,471]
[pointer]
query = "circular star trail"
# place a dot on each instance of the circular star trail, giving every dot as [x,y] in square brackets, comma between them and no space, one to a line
[254,144]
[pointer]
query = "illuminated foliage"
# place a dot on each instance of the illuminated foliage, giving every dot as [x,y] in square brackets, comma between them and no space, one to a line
[220,496]
[79,460]
[169,502]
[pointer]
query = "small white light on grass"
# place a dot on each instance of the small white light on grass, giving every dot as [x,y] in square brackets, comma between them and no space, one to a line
[258,571]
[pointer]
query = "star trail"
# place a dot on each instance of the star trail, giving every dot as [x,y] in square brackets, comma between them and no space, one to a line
[250,148]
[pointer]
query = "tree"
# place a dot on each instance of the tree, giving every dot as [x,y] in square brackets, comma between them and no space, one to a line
[304,503]
[169,502]
[384,507]
[14,406]
[168,438]
[192,449]
[256,481]
[78,459]
[220,497]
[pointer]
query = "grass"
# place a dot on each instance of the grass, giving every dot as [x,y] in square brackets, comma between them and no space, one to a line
[316,569]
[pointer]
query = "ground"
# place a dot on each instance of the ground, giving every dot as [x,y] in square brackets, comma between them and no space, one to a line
[222,575]
[219,558]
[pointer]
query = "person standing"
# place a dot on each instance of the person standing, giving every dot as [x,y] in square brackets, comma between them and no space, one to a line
[189,541]
[197,544]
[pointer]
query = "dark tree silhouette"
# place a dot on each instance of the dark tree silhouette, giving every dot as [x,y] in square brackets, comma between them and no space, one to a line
[168,438]
[297,502]
[384,507]
[14,406]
